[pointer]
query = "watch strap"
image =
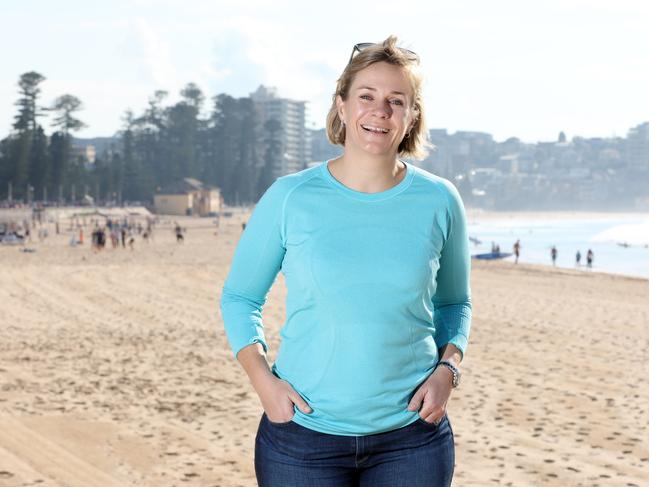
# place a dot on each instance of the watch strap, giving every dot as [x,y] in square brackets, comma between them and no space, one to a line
[454,370]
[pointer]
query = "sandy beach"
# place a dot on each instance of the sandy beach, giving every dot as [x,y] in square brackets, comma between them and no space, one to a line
[115,370]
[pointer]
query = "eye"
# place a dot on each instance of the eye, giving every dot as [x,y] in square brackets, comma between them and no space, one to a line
[397,101]
[365,97]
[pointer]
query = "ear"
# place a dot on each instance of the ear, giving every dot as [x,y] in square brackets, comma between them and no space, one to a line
[413,121]
[340,106]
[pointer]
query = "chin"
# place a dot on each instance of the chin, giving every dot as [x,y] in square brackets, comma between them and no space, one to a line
[378,150]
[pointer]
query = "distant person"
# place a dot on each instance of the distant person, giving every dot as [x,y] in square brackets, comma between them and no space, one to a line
[517,250]
[578,259]
[123,235]
[179,234]
[149,228]
[590,256]
[553,253]
[94,238]
[101,238]
[114,237]
[243,226]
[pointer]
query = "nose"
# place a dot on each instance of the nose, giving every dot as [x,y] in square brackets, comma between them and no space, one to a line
[383,109]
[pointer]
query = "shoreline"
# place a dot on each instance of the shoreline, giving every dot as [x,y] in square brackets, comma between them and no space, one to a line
[547,268]
[478,213]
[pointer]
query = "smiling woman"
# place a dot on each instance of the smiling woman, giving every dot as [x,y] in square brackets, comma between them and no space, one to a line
[404,82]
[375,256]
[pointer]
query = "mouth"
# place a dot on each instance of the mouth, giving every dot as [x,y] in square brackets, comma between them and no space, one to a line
[375,130]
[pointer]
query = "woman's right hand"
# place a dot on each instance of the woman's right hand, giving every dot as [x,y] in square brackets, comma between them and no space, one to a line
[278,397]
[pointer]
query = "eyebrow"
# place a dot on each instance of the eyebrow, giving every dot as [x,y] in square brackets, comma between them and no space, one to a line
[374,89]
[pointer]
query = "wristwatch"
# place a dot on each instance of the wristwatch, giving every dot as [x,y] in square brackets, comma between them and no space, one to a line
[453,369]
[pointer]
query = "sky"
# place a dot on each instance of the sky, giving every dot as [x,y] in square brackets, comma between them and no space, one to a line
[518,68]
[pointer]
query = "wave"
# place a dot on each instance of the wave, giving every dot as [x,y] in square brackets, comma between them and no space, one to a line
[632,234]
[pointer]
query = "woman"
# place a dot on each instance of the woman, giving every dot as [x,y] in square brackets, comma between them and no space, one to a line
[375,256]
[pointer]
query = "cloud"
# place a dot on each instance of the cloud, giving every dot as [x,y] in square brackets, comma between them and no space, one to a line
[578,65]
[251,51]
[155,53]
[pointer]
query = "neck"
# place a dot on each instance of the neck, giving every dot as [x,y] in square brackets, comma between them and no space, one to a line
[367,173]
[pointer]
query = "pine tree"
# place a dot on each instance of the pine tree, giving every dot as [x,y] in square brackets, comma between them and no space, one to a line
[39,164]
[18,151]
[66,169]
[58,155]
[183,125]
[247,171]
[132,188]
[272,155]
[151,143]
[29,110]
[65,107]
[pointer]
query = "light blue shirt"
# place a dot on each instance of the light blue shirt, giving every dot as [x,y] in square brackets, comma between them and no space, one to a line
[376,283]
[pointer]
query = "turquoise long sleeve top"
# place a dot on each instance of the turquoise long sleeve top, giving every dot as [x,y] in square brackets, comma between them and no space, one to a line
[376,284]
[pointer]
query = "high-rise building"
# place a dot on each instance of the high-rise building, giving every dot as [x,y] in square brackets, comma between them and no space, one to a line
[290,135]
[637,146]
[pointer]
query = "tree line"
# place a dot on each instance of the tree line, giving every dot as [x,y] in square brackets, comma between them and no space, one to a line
[225,146]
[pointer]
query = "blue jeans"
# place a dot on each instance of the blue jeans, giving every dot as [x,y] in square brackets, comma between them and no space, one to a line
[420,454]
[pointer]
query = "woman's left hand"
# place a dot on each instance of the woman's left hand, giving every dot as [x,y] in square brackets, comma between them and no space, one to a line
[434,394]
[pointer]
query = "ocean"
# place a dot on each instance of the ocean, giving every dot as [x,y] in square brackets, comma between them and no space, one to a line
[604,235]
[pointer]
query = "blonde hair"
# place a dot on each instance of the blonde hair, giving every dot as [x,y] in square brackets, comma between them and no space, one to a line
[413,145]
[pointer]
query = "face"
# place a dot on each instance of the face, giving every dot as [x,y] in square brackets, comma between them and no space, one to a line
[378,111]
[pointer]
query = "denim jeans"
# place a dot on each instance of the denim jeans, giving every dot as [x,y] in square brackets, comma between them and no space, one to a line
[420,454]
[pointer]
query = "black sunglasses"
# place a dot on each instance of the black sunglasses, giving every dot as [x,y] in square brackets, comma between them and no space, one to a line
[364,45]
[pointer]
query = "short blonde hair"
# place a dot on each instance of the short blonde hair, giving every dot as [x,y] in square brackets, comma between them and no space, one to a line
[413,145]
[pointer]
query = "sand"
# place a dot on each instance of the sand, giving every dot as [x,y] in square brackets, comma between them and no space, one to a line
[115,370]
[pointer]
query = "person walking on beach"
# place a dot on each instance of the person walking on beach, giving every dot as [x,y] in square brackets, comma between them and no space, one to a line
[553,253]
[94,239]
[578,259]
[375,255]
[114,237]
[590,256]
[179,234]
[517,250]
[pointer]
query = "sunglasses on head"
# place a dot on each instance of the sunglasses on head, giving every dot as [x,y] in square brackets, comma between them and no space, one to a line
[364,45]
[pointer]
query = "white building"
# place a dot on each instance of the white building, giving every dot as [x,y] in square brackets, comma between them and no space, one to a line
[292,136]
[638,146]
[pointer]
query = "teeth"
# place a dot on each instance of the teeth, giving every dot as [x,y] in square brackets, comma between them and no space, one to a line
[375,129]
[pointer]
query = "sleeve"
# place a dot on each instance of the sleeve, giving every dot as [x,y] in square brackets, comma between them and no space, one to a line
[256,262]
[452,299]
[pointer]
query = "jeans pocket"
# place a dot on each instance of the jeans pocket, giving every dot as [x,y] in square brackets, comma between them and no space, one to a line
[278,425]
[432,425]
